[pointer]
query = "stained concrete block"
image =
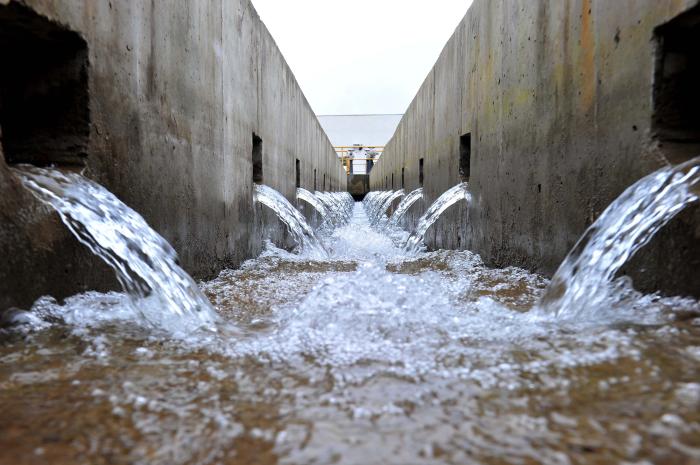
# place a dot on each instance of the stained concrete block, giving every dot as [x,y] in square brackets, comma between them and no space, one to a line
[358,186]
[175,91]
[559,100]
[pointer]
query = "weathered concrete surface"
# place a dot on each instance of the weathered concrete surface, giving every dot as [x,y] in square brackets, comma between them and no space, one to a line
[558,98]
[176,90]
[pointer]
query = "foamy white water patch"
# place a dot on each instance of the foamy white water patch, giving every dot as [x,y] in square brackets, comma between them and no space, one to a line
[359,241]
[415,326]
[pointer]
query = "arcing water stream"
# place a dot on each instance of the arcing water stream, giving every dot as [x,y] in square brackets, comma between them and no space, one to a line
[407,202]
[365,353]
[445,201]
[146,265]
[581,283]
[315,202]
[303,235]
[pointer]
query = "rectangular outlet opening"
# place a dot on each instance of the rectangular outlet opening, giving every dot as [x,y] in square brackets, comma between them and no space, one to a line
[392,181]
[465,157]
[421,177]
[44,99]
[403,178]
[676,117]
[315,180]
[298,173]
[257,159]
[324,182]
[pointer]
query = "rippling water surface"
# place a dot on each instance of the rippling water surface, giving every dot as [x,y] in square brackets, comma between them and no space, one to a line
[371,355]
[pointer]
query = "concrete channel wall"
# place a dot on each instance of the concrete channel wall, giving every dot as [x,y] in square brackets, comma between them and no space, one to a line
[564,102]
[161,110]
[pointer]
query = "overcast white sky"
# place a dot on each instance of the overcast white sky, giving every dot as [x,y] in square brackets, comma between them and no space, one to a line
[361,56]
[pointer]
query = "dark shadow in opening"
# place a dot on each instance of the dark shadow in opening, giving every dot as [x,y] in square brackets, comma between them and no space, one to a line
[465,157]
[257,159]
[44,99]
[676,117]
[421,178]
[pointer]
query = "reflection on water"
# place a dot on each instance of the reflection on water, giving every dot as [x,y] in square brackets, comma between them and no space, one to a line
[366,355]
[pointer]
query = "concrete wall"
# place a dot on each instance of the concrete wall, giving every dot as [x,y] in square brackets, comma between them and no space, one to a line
[358,186]
[558,98]
[176,90]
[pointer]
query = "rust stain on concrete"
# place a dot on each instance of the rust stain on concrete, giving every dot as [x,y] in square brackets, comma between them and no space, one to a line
[678,6]
[587,55]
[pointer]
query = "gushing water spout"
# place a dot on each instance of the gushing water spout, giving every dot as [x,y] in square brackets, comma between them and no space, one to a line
[292,218]
[403,207]
[380,217]
[373,203]
[445,201]
[582,281]
[146,265]
[311,199]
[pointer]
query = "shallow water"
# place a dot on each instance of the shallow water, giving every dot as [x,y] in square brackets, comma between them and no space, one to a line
[372,355]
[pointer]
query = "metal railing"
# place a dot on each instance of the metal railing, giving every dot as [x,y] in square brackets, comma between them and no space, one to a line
[347,163]
[344,151]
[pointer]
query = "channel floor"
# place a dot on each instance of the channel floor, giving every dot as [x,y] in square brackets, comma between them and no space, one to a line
[370,356]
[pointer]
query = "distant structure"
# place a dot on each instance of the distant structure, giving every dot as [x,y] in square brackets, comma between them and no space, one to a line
[359,140]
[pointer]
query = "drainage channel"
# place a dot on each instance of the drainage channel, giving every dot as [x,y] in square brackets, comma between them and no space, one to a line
[357,347]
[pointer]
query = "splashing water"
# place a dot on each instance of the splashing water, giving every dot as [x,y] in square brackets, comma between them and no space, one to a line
[146,265]
[381,219]
[292,218]
[335,216]
[445,201]
[403,207]
[359,241]
[311,199]
[337,204]
[345,204]
[368,198]
[348,203]
[373,203]
[582,281]
[370,355]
